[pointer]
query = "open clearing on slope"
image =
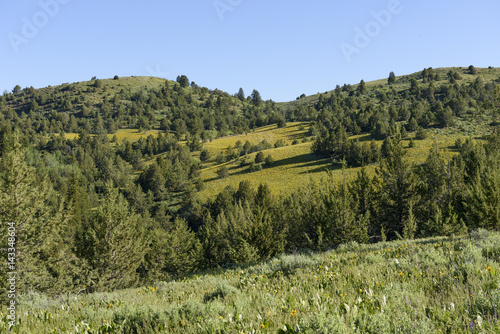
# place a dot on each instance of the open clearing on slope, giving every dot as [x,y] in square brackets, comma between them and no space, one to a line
[295,165]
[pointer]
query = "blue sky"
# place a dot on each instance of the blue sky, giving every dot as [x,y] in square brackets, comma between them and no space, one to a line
[281,48]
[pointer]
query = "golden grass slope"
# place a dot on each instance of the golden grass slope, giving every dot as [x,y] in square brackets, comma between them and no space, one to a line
[131,135]
[295,165]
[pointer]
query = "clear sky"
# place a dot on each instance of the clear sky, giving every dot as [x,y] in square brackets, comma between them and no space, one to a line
[281,48]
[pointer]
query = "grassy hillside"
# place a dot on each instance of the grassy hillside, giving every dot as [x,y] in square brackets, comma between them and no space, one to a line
[129,103]
[295,164]
[436,285]
[403,82]
[82,93]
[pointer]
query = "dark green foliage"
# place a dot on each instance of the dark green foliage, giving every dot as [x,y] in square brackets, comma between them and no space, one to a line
[404,133]
[259,157]
[318,217]
[223,172]
[362,87]
[269,161]
[420,134]
[381,130]
[412,125]
[263,198]
[112,243]
[279,143]
[337,145]
[444,116]
[181,250]
[183,81]
[362,192]
[30,213]
[245,193]
[204,155]
[396,189]
[453,76]
[238,236]
[241,94]
[281,123]
[256,99]
[220,159]
[153,180]
[195,144]
[392,78]
[482,202]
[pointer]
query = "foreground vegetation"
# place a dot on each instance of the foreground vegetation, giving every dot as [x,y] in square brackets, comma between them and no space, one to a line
[437,285]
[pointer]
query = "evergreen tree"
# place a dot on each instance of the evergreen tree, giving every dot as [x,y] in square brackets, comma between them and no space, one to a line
[362,87]
[396,183]
[259,157]
[153,179]
[16,89]
[392,78]
[263,197]
[181,250]
[204,155]
[241,235]
[245,193]
[112,243]
[241,94]
[344,224]
[269,161]
[482,203]
[183,81]
[256,99]
[410,225]
[361,191]
[36,222]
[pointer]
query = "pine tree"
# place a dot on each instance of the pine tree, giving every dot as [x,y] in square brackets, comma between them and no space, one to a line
[391,79]
[483,199]
[112,243]
[342,222]
[256,98]
[180,248]
[26,210]
[396,188]
[410,225]
[259,157]
[362,87]
[361,192]
[241,94]
[263,197]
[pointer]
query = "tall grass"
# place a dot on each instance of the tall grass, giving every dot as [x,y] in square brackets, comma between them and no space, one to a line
[436,285]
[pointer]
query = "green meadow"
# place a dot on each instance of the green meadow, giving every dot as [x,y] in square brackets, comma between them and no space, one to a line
[434,285]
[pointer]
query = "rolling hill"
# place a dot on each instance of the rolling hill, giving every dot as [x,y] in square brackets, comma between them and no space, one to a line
[159,205]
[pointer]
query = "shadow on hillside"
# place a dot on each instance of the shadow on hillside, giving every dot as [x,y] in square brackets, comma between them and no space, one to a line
[367,137]
[298,135]
[317,162]
[303,158]
[324,168]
